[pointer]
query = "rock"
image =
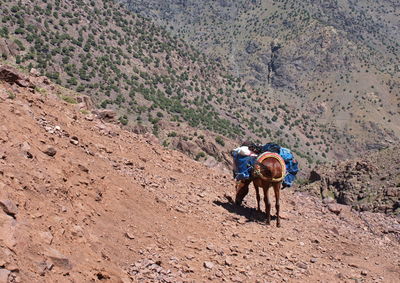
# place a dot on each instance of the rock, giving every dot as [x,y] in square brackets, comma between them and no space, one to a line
[328,200]
[106,115]
[58,259]
[302,265]
[393,192]
[74,140]
[78,231]
[83,168]
[335,208]
[228,261]
[364,273]
[210,247]
[9,207]
[25,148]
[47,237]
[252,47]
[4,273]
[34,72]
[208,265]
[313,260]
[130,235]
[7,230]
[84,102]
[50,151]
[9,74]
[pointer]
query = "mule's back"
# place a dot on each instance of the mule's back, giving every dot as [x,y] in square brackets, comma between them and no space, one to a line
[274,168]
[270,167]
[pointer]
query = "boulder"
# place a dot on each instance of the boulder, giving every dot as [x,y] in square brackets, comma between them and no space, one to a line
[7,231]
[84,102]
[12,76]
[4,273]
[58,259]
[106,115]
[9,207]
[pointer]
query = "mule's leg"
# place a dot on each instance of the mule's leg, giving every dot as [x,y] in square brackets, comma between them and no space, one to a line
[267,203]
[242,188]
[258,197]
[277,191]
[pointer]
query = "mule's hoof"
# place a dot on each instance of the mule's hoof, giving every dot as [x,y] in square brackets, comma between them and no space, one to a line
[278,225]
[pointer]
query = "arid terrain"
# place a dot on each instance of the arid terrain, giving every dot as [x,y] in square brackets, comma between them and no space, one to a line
[295,73]
[82,200]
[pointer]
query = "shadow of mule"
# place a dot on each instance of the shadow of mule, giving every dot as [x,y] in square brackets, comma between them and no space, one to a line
[251,214]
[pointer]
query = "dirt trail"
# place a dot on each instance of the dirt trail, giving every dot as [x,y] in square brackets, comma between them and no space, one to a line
[83,200]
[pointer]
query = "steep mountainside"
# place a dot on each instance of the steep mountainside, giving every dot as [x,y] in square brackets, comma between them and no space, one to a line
[335,60]
[82,200]
[154,80]
[368,183]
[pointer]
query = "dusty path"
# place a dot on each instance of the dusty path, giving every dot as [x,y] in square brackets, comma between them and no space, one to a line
[112,205]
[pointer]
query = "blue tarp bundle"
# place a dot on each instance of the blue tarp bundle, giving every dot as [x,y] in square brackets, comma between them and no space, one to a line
[292,167]
[244,164]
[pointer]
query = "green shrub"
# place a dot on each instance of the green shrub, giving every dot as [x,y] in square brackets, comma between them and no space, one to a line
[200,155]
[69,99]
[220,141]
[123,120]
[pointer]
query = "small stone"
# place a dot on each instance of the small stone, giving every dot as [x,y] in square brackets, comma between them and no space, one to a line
[83,168]
[9,207]
[89,117]
[302,265]
[228,261]
[208,264]
[50,151]
[74,140]
[313,260]
[364,273]
[328,200]
[130,235]
[25,148]
[335,208]
[34,72]
[210,247]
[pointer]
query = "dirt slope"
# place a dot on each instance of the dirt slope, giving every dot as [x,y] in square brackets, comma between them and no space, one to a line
[82,200]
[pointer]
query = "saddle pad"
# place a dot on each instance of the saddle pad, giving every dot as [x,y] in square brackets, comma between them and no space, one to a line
[267,154]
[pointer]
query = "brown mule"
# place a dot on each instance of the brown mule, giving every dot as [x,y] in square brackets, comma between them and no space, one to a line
[269,171]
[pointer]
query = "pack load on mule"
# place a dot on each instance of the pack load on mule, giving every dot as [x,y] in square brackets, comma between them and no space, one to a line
[245,156]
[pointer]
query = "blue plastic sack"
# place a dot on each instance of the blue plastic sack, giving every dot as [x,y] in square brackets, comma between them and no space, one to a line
[242,166]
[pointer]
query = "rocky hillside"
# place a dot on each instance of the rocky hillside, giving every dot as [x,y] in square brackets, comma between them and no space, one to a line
[336,61]
[82,199]
[155,81]
[369,183]
[286,42]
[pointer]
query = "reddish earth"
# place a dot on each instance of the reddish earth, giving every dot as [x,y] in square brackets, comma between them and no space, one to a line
[83,200]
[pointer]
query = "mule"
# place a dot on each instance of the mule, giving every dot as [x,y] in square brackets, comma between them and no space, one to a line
[267,172]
